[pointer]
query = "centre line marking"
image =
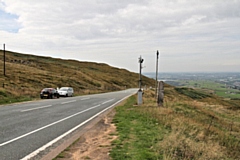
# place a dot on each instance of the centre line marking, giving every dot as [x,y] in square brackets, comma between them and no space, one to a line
[85,98]
[68,102]
[39,129]
[107,101]
[26,110]
[33,154]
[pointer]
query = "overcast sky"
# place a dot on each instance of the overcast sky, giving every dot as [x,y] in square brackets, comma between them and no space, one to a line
[191,35]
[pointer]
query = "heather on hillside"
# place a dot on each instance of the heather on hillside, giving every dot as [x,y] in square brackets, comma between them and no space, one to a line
[27,75]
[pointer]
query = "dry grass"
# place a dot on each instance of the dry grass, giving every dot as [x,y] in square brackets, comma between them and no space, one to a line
[27,75]
[198,129]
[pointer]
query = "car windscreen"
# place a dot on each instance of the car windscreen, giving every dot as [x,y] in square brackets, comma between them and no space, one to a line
[63,89]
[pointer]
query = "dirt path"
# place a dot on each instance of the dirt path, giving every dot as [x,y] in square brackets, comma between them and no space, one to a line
[95,144]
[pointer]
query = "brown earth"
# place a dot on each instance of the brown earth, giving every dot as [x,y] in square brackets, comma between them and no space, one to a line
[94,144]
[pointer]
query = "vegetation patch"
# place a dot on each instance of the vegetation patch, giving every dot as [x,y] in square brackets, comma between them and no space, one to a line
[138,134]
[182,129]
[3,93]
[194,94]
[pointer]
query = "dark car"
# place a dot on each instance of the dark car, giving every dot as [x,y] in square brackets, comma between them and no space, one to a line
[49,93]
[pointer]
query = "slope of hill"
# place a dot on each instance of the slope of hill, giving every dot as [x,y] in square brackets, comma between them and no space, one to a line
[27,74]
[192,124]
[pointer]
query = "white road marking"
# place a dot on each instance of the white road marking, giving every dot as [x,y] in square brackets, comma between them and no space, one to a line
[39,129]
[108,101]
[26,110]
[33,154]
[68,102]
[85,98]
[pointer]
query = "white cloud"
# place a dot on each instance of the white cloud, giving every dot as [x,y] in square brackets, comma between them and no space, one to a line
[188,33]
[1,6]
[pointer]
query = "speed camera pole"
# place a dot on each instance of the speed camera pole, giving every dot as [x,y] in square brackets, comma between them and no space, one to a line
[140,81]
[140,72]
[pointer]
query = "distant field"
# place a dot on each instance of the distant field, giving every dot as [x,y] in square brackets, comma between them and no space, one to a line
[212,86]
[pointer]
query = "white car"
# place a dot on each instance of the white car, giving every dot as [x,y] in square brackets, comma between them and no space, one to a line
[66,91]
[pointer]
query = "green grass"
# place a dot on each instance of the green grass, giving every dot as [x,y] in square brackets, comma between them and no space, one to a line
[194,94]
[191,125]
[60,156]
[138,134]
[10,100]
[7,98]
[218,88]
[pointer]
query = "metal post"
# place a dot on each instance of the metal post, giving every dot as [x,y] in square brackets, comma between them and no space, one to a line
[160,96]
[140,72]
[4,60]
[156,82]
[140,81]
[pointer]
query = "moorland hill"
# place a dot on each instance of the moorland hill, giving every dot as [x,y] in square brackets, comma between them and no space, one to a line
[27,75]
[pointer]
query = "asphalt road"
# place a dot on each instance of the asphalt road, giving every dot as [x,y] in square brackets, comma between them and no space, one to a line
[28,128]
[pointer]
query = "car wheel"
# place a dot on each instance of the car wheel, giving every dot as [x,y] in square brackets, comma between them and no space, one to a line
[66,95]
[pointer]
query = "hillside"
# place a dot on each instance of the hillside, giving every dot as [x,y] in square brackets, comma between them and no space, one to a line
[27,75]
[192,124]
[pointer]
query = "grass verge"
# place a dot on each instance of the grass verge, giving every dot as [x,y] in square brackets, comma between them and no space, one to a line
[191,125]
[139,134]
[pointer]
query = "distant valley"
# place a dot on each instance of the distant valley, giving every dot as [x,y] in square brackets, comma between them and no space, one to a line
[223,84]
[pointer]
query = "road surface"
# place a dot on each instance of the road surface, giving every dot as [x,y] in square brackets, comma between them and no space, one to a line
[31,128]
